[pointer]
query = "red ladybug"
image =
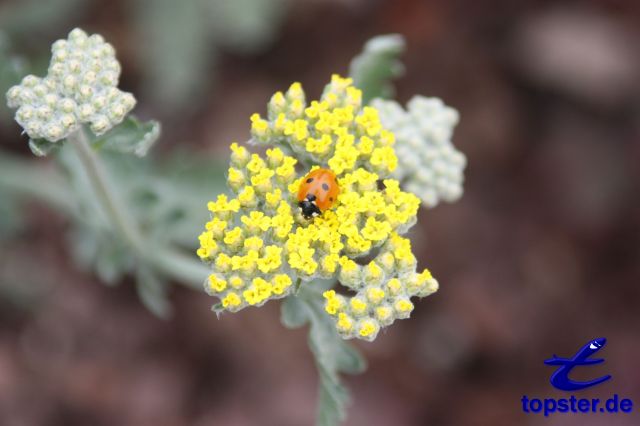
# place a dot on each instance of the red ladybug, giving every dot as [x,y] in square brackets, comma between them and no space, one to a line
[318,191]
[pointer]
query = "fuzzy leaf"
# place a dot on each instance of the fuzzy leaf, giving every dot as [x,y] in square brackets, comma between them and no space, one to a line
[332,399]
[349,360]
[293,313]
[218,309]
[42,147]
[332,355]
[130,136]
[374,68]
[35,18]
[175,51]
[153,292]
[180,43]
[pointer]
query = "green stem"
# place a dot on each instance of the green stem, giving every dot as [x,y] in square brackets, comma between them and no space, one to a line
[112,205]
[168,260]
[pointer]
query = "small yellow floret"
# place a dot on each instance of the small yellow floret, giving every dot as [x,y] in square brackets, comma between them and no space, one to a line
[259,126]
[216,284]
[375,295]
[334,302]
[384,314]
[253,243]
[236,282]
[344,323]
[358,306]
[231,300]
[394,285]
[403,306]
[280,283]
[239,155]
[368,328]
[235,179]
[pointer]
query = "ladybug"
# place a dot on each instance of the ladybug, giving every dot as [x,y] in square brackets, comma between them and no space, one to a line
[318,191]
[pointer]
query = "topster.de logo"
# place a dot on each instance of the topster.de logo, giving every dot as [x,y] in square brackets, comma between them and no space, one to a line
[560,379]
[573,404]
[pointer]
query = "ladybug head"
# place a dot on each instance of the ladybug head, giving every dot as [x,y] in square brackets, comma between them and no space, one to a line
[308,207]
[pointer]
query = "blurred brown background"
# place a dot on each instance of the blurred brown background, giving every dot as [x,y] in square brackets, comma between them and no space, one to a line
[541,254]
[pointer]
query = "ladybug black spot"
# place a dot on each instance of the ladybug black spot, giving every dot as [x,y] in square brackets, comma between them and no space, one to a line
[309,180]
[330,198]
[325,186]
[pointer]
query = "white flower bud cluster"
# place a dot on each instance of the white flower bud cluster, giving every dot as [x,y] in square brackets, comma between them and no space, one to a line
[80,87]
[428,163]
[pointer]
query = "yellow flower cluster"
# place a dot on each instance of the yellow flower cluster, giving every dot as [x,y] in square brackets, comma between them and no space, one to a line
[383,290]
[335,130]
[261,248]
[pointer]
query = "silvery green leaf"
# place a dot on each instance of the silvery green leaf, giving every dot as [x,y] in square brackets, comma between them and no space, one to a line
[180,43]
[130,136]
[94,243]
[293,313]
[332,355]
[349,360]
[97,248]
[22,178]
[42,147]
[153,292]
[374,68]
[36,18]
[182,184]
[218,309]
[244,26]
[332,399]
[114,257]
[175,49]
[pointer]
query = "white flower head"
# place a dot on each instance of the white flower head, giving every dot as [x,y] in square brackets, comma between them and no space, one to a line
[80,87]
[429,165]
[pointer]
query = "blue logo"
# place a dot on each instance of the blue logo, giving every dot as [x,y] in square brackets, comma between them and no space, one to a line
[572,404]
[560,378]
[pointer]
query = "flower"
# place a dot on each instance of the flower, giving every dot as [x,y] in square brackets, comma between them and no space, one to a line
[336,131]
[80,87]
[259,246]
[431,166]
[383,288]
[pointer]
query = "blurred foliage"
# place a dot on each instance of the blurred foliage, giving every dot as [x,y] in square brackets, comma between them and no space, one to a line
[378,64]
[166,198]
[152,291]
[29,18]
[42,147]
[130,137]
[11,221]
[181,41]
[332,354]
[12,69]
[21,180]
[178,43]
